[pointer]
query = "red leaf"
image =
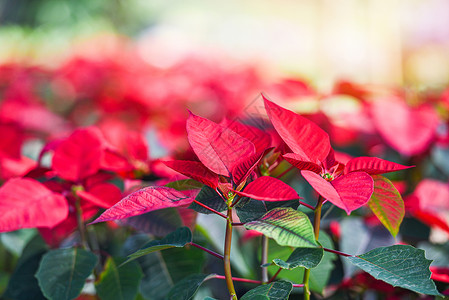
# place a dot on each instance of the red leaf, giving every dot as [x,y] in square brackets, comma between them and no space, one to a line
[433,195]
[11,141]
[216,146]
[246,166]
[373,165]
[348,192]
[301,163]
[144,200]
[26,203]
[302,135]
[194,170]
[113,161]
[10,168]
[408,130]
[259,138]
[431,219]
[268,188]
[103,195]
[79,155]
[440,274]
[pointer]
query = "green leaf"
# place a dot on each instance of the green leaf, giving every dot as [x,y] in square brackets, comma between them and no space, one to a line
[156,281]
[182,262]
[119,283]
[279,290]
[286,226]
[159,222]
[249,210]
[209,197]
[185,185]
[186,288]
[398,265]
[301,257]
[387,204]
[320,275]
[62,272]
[178,238]
[23,285]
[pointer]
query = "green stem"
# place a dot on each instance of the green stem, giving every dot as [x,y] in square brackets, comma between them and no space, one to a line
[227,256]
[264,258]
[316,230]
[79,219]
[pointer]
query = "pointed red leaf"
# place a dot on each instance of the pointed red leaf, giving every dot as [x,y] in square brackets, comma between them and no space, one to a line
[103,195]
[216,146]
[268,188]
[408,130]
[26,203]
[302,135]
[79,155]
[144,200]
[259,138]
[348,192]
[194,170]
[301,163]
[246,166]
[373,165]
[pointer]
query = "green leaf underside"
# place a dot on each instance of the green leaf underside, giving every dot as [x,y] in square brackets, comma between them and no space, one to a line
[249,209]
[187,288]
[301,257]
[387,204]
[119,283]
[398,265]
[63,272]
[288,227]
[209,197]
[178,238]
[279,290]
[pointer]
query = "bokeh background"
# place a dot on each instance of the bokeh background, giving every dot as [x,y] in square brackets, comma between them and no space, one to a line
[393,42]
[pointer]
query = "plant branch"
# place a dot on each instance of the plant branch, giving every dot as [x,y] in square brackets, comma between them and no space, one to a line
[306,205]
[285,172]
[227,255]
[207,250]
[336,252]
[238,224]
[210,209]
[264,258]
[80,222]
[275,275]
[316,230]
[238,279]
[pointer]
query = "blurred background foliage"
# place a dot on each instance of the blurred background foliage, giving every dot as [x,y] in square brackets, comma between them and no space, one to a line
[397,42]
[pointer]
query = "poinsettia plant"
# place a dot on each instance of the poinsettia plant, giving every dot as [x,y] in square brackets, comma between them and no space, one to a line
[263,208]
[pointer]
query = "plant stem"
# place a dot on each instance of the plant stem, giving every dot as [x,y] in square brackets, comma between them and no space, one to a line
[238,279]
[306,205]
[80,222]
[207,250]
[264,259]
[211,209]
[275,275]
[238,224]
[336,252]
[285,172]
[227,256]
[316,230]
